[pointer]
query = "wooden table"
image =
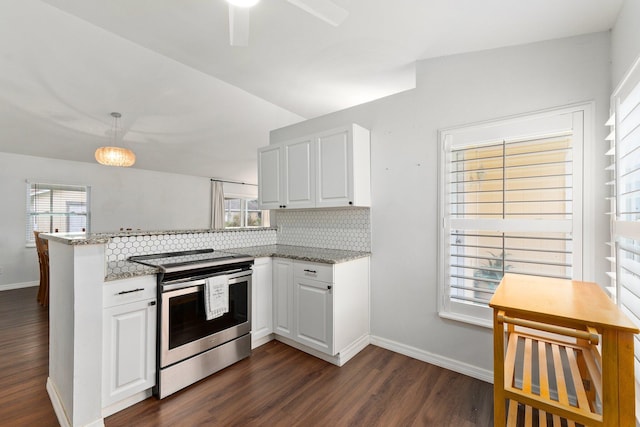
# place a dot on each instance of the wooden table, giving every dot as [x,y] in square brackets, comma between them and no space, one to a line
[572,346]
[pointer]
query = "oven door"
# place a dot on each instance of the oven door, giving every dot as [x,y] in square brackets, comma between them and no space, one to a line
[185,331]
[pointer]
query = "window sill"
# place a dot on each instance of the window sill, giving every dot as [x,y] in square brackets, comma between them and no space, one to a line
[485,323]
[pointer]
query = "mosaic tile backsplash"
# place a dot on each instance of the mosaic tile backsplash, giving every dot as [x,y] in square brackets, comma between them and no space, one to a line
[346,229]
[122,247]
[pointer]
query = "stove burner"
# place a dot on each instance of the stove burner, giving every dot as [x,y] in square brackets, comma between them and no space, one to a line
[189,260]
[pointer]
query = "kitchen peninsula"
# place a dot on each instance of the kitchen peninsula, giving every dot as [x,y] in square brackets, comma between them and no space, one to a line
[91,280]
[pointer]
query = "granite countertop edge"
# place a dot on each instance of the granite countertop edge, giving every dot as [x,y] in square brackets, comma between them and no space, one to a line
[100,238]
[298,253]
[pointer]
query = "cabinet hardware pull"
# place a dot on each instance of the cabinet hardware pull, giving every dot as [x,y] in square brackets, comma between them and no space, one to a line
[311,271]
[329,288]
[152,303]
[131,291]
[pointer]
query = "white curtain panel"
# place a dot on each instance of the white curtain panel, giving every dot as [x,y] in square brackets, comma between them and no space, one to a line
[217,205]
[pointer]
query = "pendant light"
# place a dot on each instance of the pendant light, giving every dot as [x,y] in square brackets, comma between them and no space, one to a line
[243,3]
[114,155]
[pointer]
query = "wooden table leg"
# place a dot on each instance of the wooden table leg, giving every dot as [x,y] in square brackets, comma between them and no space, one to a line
[499,414]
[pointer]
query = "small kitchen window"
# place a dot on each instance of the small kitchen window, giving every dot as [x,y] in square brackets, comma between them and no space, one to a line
[240,212]
[53,208]
[511,200]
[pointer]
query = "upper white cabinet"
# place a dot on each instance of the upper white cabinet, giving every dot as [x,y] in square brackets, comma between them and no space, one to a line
[270,179]
[299,171]
[327,169]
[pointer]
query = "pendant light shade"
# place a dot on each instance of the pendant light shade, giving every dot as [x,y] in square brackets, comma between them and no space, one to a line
[243,3]
[113,155]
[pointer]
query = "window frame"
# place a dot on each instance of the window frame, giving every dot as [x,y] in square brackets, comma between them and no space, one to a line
[510,128]
[30,213]
[244,211]
[624,259]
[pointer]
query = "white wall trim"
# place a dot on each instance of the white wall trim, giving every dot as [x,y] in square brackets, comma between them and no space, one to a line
[58,408]
[10,286]
[441,361]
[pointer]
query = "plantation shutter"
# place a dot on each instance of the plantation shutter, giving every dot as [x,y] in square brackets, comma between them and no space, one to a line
[511,205]
[624,152]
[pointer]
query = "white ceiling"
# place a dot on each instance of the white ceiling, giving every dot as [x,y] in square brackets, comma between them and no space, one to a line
[193,104]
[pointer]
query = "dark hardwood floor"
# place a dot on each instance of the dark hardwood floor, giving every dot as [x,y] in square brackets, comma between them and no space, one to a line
[276,386]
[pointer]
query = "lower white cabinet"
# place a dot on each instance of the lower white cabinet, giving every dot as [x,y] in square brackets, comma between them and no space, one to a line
[129,339]
[314,314]
[261,302]
[283,297]
[323,307]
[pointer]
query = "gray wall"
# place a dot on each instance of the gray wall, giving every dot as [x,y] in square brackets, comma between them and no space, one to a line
[625,40]
[128,198]
[451,91]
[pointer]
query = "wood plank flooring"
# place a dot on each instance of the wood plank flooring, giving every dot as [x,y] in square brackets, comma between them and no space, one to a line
[24,360]
[276,386]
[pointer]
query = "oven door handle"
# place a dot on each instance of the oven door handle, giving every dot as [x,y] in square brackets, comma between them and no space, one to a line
[186,283]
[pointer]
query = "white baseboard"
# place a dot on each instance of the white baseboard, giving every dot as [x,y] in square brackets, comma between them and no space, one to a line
[125,403]
[339,359]
[441,361]
[257,342]
[58,408]
[10,286]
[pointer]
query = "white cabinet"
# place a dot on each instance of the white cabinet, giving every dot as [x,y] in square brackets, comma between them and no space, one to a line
[270,172]
[322,307]
[343,168]
[261,302]
[283,297]
[327,169]
[314,314]
[298,178]
[129,338]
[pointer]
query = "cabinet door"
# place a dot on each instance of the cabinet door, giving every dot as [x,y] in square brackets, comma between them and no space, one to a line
[334,185]
[314,314]
[283,297]
[262,299]
[299,174]
[129,346]
[270,177]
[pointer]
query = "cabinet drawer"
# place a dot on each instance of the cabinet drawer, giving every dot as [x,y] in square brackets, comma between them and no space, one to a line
[314,270]
[128,290]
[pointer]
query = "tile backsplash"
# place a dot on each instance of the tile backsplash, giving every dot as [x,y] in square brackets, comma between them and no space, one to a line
[346,229]
[122,247]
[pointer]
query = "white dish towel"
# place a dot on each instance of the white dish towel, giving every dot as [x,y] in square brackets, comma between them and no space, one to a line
[216,296]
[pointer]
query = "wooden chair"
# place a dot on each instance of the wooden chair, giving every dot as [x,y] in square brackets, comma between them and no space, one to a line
[42,247]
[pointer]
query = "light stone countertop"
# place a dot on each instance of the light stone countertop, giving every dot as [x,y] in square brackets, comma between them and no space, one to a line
[98,238]
[301,253]
[123,269]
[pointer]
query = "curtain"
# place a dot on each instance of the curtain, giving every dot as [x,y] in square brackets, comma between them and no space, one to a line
[217,205]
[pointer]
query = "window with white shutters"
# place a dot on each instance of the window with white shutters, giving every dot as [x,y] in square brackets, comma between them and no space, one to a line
[624,184]
[511,201]
[53,208]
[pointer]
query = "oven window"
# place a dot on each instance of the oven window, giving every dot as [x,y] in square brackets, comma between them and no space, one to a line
[187,318]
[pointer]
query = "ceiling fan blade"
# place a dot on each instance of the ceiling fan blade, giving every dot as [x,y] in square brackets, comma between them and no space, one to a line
[326,10]
[238,26]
